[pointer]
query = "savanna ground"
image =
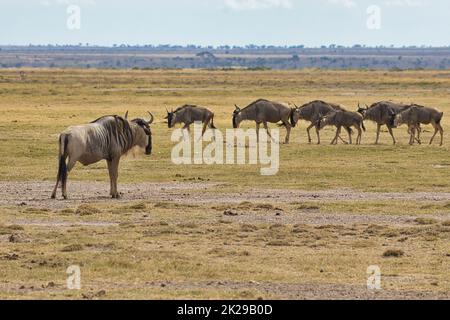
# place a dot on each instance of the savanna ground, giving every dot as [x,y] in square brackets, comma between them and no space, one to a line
[222,231]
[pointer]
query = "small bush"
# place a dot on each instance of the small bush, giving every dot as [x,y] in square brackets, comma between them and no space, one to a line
[425,221]
[86,210]
[72,247]
[395,253]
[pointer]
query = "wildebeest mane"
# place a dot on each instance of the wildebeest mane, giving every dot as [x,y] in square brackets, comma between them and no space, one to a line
[118,129]
[184,107]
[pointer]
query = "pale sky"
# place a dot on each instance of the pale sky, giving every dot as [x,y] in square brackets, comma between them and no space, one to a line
[232,22]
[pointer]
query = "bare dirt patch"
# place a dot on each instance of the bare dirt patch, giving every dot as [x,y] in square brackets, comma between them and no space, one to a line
[37,193]
[264,201]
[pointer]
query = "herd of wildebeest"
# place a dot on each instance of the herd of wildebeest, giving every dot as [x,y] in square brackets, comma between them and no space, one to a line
[110,137]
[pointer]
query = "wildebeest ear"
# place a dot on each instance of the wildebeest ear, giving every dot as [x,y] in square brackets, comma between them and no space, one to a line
[126,115]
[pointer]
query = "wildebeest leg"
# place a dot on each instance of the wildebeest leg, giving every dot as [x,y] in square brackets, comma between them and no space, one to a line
[378,133]
[187,127]
[113,168]
[391,132]
[258,125]
[441,131]
[358,140]
[309,134]
[267,130]
[412,135]
[62,174]
[349,131]
[338,133]
[437,128]
[210,125]
[288,133]
[70,166]
[318,135]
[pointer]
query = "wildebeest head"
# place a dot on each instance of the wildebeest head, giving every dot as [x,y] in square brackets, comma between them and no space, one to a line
[398,120]
[363,110]
[143,136]
[325,120]
[236,117]
[295,116]
[392,117]
[171,116]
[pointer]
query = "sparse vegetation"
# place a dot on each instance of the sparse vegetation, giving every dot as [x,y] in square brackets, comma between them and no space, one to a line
[221,231]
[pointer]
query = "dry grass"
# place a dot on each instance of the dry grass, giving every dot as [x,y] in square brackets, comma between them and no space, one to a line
[220,250]
[36,109]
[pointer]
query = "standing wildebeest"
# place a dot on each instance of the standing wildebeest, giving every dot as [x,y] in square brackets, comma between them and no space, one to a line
[417,115]
[383,113]
[107,138]
[343,119]
[313,112]
[188,114]
[264,111]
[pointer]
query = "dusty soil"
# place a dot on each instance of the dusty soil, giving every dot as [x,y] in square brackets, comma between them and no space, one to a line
[36,194]
[291,291]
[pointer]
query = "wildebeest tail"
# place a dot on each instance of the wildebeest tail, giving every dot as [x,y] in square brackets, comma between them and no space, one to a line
[62,169]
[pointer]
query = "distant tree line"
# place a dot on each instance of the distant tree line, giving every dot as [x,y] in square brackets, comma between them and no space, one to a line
[250,56]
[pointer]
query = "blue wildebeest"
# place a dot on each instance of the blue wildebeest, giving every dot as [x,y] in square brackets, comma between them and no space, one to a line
[417,115]
[107,138]
[188,114]
[384,113]
[313,112]
[346,119]
[263,112]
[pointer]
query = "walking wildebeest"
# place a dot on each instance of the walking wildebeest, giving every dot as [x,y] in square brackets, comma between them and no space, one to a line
[107,138]
[417,115]
[383,113]
[313,112]
[188,114]
[264,111]
[343,119]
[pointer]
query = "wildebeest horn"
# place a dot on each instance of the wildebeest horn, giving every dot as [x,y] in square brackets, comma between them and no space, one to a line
[237,107]
[167,110]
[126,115]
[296,107]
[152,118]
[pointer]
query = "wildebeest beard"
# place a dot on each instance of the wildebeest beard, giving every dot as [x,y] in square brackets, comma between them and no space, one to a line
[234,120]
[144,126]
[170,116]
